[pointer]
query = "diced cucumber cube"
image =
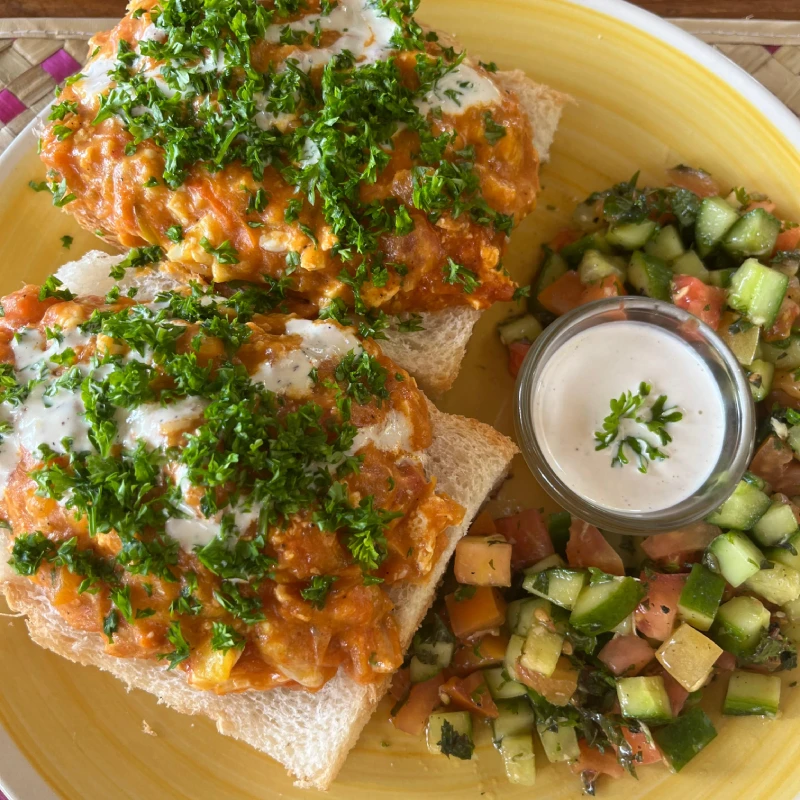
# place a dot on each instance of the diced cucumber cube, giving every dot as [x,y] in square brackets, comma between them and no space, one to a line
[461,722]
[784,355]
[741,336]
[519,759]
[721,278]
[554,560]
[627,627]
[778,584]
[520,329]
[689,657]
[644,698]
[777,524]
[754,234]
[757,292]
[595,266]
[560,585]
[714,220]
[740,624]
[792,611]
[514,717]
[759,376]
[650,276]
[738,558]
[520,614]
[560,742]
[683,739]
[700,597]
[513,652]
[501,687]
[793,439]
[573,253]
[542,650]
[753,694]
[788,554]
[420,671]
[600,607]
[742,509]
[631,235]
[691,264]
[667,245]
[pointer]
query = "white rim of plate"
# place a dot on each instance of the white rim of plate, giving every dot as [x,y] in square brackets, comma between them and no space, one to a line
[22,774]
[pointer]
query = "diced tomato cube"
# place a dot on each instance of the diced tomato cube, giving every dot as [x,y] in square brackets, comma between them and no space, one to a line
[610,286]
[704,302]
[587,547]
[516,355]
[559,688]
[787,314]
[644,752]
[626,655]
[788,240]
[401,683]
[488,651]
[726,662]
[676,693]
[563,238]
[695,180]
[471,694]
[529,537]
[656,614]
[423,699]
[563,294]
[694,538]
[592,760]
[774,461]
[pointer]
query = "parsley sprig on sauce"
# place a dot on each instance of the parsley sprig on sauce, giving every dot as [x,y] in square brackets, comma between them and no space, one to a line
[627,406]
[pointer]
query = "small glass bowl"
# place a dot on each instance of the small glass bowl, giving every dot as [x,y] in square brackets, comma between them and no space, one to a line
[739,420]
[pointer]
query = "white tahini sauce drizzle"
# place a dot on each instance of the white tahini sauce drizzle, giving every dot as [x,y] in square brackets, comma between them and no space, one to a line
[290,374]
[147,421]
[392,435]
[571,400]
[459,90]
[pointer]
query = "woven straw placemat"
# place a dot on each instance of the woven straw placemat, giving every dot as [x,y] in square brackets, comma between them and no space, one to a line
[38,54]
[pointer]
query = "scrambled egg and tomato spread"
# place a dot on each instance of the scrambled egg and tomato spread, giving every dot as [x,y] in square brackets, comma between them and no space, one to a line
[215,483]
[331,144]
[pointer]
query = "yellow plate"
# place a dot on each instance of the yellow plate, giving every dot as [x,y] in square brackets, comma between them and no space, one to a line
[648,97]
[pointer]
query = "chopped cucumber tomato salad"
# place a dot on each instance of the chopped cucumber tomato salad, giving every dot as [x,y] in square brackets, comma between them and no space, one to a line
[543,633]
[726,258]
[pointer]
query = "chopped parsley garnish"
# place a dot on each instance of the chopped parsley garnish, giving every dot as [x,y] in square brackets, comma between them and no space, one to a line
[455,273]
[66,241]
[52,288]
[317,590]
[453,743]
[181,650]
[225,637]
[413,322]
[137,257]
[492,130]
[627,407]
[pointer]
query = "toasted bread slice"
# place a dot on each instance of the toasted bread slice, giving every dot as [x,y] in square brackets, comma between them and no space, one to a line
[310,734]
[432,355]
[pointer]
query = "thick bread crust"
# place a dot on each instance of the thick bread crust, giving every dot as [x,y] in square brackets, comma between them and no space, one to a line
[310,734]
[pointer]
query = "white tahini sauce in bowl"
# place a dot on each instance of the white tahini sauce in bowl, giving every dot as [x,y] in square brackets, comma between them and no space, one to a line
[572,398]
